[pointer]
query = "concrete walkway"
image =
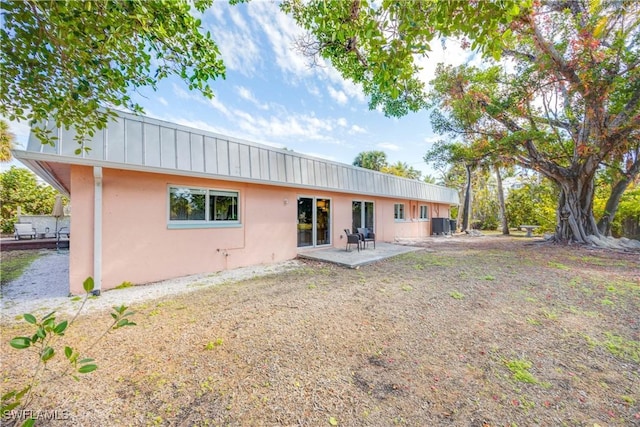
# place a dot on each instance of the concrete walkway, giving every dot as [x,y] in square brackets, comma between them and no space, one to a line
[355,259]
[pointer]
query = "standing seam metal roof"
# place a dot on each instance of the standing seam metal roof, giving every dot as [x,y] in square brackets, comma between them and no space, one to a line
[143,143]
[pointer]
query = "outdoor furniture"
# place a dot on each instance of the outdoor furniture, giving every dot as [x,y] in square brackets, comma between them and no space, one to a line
[21,230]
[352,239]
[60,233]
[367,236]
[63,231]
[529,229]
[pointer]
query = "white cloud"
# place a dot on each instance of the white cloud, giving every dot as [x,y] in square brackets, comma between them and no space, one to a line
[339,96]
[342,122]
[162,101]
[281,31]
[356,129]
[388,146]
[248,95]
[238,48]
[218,105]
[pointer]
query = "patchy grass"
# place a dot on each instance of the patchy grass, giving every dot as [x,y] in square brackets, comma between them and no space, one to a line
[124,285]
[386,345]
[456,295]
[520,370]
[13,264]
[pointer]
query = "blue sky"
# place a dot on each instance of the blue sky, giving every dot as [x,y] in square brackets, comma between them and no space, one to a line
[272,96]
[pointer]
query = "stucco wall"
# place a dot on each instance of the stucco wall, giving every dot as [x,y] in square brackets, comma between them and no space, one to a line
[139,247]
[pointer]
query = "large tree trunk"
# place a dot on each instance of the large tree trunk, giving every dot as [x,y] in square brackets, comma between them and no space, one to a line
[503,209]
[610,209]
[575,220]
[466,211]
[604,225]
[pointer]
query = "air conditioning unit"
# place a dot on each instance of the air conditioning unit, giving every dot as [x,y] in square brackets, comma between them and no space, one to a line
[440,226]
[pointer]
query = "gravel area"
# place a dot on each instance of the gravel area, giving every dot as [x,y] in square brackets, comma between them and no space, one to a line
[44,287]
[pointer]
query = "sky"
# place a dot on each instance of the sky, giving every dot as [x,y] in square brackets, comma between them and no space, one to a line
[272,96]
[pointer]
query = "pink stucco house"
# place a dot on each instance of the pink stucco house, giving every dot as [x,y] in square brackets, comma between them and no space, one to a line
[154,200]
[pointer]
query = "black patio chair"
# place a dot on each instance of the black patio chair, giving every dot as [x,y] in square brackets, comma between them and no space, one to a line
[352,239]
[367,236]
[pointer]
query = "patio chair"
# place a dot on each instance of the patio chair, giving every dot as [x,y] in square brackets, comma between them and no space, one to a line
[352,239]
[62,232]
[25,229]
[367,236]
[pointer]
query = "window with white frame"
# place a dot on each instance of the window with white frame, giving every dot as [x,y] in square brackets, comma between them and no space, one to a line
[398,211]
[201,206]
[424,212]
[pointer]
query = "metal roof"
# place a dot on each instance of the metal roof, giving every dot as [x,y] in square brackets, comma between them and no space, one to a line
[141,143]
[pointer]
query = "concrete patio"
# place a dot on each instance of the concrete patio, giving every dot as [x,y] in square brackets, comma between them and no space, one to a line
[355,259]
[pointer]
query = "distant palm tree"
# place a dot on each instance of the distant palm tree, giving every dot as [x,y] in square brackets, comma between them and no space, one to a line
[374,160]
[7,141]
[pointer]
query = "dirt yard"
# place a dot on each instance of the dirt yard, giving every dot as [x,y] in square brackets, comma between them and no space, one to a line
[487,331]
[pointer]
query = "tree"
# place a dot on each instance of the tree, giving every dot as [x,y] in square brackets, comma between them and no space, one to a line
[567,101]
[402,169]
[19,187]
[374,160]
[532,202]
[572,103]
[621,173]
[376,43]
[69,60]
[447,153]
[504,221]
[7,141]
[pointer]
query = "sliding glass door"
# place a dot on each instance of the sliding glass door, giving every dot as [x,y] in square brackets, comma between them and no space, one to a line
[314,221]
[362,215]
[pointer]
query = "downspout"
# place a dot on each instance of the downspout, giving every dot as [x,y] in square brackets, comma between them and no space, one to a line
[97,230]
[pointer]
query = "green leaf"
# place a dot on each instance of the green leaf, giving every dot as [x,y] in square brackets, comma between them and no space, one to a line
[9,407]
[88,284]
[61,327]
[124,322]
[333,421]
[85,369]
[47,354]
[8,395]
[29,423]
[30,318]
[68,351]
[86,360]
[23,392]
[20,343]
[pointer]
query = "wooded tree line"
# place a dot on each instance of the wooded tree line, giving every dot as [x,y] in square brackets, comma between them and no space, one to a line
[532,199]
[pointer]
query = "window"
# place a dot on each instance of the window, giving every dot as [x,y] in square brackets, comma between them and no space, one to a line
[398,211]
[424,212]
[202,207]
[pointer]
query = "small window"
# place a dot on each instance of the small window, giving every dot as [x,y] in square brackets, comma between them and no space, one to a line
[398,211]
[223,206]
[199,206]
[424,212]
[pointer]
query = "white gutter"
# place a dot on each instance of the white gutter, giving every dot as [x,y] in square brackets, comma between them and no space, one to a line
[97,229]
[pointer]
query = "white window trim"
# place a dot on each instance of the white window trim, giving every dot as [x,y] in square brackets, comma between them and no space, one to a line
[404,212]
[420,213]
[205,223]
